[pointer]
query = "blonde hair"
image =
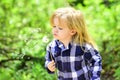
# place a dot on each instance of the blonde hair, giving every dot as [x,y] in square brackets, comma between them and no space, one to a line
[74,20]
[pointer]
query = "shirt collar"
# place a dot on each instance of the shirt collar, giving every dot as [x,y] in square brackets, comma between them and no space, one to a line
[60,45]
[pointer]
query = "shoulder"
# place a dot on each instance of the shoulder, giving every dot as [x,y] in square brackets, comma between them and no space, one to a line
[88,47]
[53,43]
[91,52]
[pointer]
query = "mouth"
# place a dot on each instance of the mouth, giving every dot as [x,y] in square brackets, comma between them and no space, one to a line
[55,34]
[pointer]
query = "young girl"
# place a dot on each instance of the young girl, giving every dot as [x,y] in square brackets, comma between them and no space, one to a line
[72,52]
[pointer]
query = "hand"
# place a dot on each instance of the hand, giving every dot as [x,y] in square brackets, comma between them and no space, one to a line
[51,66]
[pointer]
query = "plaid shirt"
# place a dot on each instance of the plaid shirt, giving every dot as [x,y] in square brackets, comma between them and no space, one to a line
[73,63]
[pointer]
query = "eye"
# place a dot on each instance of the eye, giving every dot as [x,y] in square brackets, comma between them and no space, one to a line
[60,28]
[54,26]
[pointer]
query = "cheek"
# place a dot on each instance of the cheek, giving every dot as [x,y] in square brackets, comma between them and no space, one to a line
[53,30]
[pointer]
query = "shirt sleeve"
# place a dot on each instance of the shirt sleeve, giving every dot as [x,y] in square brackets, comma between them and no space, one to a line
[95,62]
[48,58]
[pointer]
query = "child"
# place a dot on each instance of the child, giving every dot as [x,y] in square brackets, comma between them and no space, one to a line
[72,52]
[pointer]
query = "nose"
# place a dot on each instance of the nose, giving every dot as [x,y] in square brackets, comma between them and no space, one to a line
[55,30]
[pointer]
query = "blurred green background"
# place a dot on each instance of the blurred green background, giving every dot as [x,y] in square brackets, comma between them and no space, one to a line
[25,32]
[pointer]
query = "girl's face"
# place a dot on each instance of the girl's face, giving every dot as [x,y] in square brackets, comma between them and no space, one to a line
[62,32]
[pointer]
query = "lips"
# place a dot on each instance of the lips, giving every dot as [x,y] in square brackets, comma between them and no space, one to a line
[55,34]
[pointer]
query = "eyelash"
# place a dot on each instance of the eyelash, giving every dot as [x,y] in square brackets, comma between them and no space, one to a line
[58,28]
[54,26]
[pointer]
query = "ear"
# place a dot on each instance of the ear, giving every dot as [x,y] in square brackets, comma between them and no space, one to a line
[73,32]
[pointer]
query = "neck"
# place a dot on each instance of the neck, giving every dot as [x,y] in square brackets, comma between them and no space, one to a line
[66,43]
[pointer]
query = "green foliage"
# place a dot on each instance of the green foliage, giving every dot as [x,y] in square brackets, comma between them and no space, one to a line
[117,73]
[25,32]
[103,23]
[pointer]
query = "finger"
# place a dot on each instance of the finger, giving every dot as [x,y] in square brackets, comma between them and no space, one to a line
[50,65]
[52,61]
[53,68]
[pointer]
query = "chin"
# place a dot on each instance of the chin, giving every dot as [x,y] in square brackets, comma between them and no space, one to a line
[56,37]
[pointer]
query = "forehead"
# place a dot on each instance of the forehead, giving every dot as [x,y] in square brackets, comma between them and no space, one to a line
[56,21]
[59,21]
